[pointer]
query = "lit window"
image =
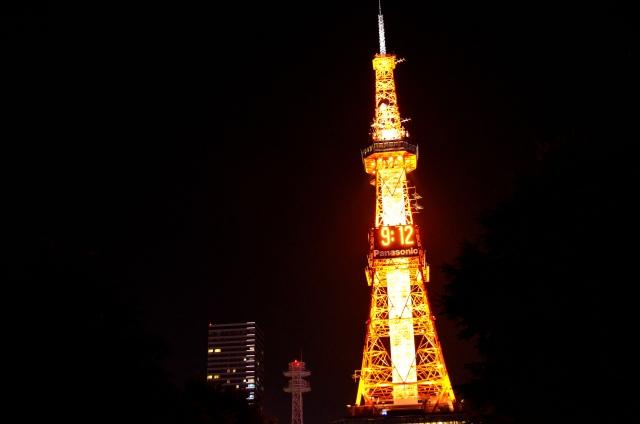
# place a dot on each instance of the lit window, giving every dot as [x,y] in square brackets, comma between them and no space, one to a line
[215,377]
[237,386]
[251,386]
[210,350]
[250,380]
[217,350]
[209,377]
[234,370]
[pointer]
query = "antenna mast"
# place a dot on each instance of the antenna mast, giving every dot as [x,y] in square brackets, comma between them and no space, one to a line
[383,48]
[297,386]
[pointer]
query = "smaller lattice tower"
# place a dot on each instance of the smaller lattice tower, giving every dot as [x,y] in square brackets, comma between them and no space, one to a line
[297,386]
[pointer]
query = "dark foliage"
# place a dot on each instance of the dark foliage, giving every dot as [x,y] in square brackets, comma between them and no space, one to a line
[206,403]
[104,364]
[547,292]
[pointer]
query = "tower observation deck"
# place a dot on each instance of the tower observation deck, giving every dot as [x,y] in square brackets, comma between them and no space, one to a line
[402,363]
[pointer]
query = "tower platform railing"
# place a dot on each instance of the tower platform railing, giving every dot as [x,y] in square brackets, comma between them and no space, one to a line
[388,146]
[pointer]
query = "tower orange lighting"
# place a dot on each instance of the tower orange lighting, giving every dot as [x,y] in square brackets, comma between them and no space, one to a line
[402,362]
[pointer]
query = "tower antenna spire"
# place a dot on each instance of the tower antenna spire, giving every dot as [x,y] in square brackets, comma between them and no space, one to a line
[383,47]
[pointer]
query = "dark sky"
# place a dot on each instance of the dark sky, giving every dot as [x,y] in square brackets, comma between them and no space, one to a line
[209,153]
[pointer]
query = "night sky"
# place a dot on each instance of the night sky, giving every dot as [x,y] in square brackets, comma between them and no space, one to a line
[208,154]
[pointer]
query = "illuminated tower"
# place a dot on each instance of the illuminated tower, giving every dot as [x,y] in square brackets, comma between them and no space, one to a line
[297,386]
[402,363]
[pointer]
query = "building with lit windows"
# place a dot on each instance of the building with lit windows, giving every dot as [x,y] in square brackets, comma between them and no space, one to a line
[235,355]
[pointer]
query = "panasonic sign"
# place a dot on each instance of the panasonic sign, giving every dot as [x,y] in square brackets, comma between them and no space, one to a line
[412,251]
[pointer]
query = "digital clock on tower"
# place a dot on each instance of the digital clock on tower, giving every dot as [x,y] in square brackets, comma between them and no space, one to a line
[395,237]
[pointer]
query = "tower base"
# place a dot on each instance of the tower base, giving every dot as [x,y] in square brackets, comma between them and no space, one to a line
[405,415]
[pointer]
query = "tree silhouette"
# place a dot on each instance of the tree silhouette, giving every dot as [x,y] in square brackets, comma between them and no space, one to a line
[109,366]
[546,292]
[208,404]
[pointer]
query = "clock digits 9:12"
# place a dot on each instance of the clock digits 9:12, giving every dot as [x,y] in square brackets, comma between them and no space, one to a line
[401,234]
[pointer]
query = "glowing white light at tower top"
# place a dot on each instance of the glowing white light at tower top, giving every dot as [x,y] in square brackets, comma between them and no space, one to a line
[383,48]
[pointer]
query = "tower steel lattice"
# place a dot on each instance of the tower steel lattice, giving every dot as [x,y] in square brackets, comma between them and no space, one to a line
[297,386]
[402,362]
